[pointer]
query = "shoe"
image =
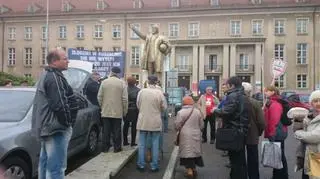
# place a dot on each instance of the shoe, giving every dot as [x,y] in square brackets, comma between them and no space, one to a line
[133,144]
[212,141]
[189,173]
[155,170]
[125,143]
[204,141]
[195,173]
[117,150]
[140,169]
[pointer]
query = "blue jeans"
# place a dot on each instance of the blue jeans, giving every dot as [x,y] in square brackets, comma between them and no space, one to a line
[155,136]
[53,155]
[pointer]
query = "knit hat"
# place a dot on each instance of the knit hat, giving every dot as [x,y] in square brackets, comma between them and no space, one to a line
[116,70]
[314,95]
[187,100]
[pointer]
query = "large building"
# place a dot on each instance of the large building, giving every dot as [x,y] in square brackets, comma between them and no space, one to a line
[211,39]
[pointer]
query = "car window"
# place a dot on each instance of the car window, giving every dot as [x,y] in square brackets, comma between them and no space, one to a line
[14,105]
[75,77]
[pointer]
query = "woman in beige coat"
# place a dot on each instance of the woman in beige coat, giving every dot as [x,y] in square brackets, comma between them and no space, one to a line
[190,136]
[310,135]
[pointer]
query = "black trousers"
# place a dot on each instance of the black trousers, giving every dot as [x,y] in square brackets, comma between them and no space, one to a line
[209,119]
[253,161]
[281,173]
[131,118]
[238,165]
[111,126]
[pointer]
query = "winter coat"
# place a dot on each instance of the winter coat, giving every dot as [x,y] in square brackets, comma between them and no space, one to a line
[202,103]
[91,90]
[190,135]
[272,115]
[151,103]
[310,137]
[113,98]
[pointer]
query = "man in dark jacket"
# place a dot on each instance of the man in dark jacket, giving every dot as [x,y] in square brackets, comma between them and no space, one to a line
[133,112]
[54,112]
[91,88]
[256,127]
[235,116]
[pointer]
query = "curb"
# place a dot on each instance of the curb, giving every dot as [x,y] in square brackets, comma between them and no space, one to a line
[170,170]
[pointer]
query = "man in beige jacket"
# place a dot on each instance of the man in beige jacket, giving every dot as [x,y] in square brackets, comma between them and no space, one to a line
[151,102]
[113,99]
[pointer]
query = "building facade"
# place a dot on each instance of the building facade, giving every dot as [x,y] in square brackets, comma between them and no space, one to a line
[210,39]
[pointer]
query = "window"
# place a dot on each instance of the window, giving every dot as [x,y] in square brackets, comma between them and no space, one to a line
[302,81]
[80,31]
[175,3]
[173,30]
[28,75]
[235,27]
[116,31]
[302,53]
[101,5]
[137,4]
[137,77]
[11,56]
[302,25]
[135,56]
[257,27]
[28,33]
[279,51]
[44,32]
[183,63]
[116,49]
[80,48]
[98,31]
[214,2]
[279,27]
[63,32]
[98,49]
[244,61]
[279,82]
[256,1]
[193,29]
[43,56]
[133,34]
[213,62]
[12,33]
[28,56]
[67,7]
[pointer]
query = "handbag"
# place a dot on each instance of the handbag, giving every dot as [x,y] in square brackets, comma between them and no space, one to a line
[177,141]
[271,155]
[229,139]
[314,164]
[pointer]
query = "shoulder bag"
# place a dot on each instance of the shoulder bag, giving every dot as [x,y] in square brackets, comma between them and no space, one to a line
[177,141]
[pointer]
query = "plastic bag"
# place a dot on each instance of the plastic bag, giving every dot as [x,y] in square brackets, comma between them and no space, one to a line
[271,155]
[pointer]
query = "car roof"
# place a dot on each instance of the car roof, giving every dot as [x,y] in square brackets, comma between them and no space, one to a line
[32,89]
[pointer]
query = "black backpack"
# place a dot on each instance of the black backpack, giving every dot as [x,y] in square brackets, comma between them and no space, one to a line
[286,107]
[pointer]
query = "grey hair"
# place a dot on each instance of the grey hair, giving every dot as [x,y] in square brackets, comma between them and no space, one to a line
[247,87]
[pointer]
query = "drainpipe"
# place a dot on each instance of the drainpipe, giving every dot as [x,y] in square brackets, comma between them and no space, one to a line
[314,48]
[2,43]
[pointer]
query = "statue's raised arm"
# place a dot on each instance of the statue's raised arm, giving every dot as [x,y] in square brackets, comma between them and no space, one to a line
[131,26]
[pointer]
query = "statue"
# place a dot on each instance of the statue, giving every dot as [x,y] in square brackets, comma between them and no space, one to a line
[156,46]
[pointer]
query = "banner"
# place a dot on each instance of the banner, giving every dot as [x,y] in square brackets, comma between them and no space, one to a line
[278,67]
[103,61]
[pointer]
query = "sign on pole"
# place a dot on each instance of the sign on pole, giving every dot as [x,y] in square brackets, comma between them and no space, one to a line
[278,68]
[172,78]
[103,61]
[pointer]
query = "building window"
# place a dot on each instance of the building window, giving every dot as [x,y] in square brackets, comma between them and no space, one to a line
[137,77]
[235,27]
[193,29]
[302,25]
[98,31]
[67,7]
[213,62]
[43,56]
[43,33]
[80,31]
[173,30]
[28,56]
[98,49]
[302,53]
[279,82]
[63,32]
[175,3]
[80,48]
[279,27]
[183,63]
[137,4]
[244,61]
[257,26]
[302,81]
[28,75]
[256,1]
[135,56]
[101,5]
[11,56]
[279,51]
[133,34]
[28,33]
[12,33]
[116,31]
[214,2]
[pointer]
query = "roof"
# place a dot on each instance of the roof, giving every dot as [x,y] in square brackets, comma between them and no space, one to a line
[20,6]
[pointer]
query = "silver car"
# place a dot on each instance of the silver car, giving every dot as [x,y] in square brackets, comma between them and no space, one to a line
[19,150]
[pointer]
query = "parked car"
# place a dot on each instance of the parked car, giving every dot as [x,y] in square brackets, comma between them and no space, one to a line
[286,94]
[299,100]
[19,150]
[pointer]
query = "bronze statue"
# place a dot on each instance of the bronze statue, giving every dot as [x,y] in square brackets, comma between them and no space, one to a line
[156,46]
